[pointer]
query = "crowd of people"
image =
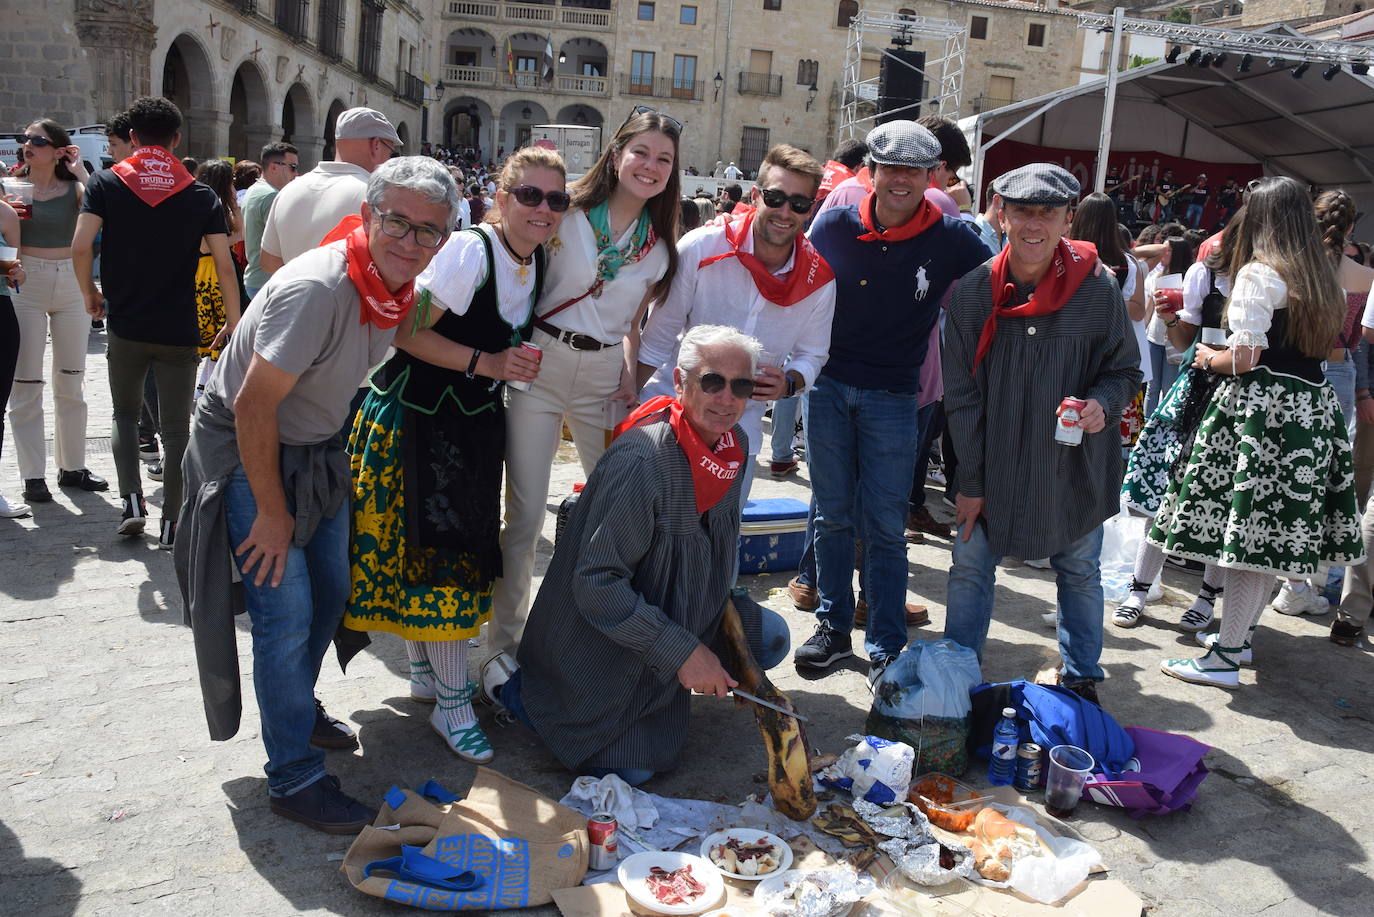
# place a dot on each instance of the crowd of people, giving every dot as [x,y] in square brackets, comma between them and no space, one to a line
[362,373]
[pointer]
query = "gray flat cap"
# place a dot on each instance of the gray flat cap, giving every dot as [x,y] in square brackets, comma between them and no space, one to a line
[1039,184]
[364,124]
[903,143]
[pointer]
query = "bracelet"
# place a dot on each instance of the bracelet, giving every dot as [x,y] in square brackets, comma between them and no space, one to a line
[792,387]
[1207,363]
[1170,324]
[1365,397]
[472,364]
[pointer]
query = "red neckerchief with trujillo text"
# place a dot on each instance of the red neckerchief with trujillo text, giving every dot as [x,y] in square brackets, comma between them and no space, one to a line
[714,469]
[1073,261]
[926,216]
[809,271]
[378,305]
[153,174]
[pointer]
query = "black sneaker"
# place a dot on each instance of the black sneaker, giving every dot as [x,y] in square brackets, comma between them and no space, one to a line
[83,479]
[325,807]
[167,535]
[329,732]
[36,490]
[148,451]
[826,646]
[1085,688]
[154,470]
[876,666]
[97,324]
[135,515]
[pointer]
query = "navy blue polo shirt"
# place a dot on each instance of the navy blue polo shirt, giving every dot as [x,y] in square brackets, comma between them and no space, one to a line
[888,295]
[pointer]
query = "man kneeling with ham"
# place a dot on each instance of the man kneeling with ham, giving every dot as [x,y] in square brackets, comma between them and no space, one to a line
[623,626]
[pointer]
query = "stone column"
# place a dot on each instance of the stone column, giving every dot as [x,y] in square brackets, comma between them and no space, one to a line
[119,37]
[207,133]
[309,149]
[258,136]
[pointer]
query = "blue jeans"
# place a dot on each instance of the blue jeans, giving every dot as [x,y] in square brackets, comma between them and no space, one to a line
[1077,577]
[777,641]
[293,624]
[932,421]
[1162,376]
[806,570]
[784,426]
[1342,378]
[861,444]
[1194,217]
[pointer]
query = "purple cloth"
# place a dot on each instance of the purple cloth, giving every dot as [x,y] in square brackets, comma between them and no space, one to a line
[1171,770]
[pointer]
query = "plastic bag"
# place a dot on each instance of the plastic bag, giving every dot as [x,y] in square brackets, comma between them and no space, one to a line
[1046,879]
[1121,536]
[875,770]
[922,699]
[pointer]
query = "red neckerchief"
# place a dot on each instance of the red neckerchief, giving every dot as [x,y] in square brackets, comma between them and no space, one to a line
[713,469]
[1208,246]
[153,174]
[809,270]
[1073,261]
[926,216]
[379,306]
[343,230]
[835,172]
[864,178]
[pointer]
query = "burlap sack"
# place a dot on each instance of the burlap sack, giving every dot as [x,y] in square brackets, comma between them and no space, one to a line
[520,845]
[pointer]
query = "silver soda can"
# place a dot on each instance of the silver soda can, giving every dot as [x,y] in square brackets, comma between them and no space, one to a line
[1030,768]
[533,350]
[1069,431]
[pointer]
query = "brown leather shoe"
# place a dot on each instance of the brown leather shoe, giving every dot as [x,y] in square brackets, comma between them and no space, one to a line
[804,597]
[916,615]
[922,521]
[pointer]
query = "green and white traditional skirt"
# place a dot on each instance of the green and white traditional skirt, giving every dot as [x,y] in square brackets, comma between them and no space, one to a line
[1269,486]
[1150,466]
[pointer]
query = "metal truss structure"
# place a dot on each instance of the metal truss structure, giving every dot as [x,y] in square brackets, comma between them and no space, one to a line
[1284,45]
[943,76]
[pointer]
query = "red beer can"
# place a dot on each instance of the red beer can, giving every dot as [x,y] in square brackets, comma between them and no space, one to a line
[1069,431]
[533,350]
[601,831]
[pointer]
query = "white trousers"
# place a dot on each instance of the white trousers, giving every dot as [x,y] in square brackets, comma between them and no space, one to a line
[573,385]
[50,300]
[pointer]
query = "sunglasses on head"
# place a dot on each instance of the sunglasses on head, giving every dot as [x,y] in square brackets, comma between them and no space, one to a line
[39,142]
[531,196]
[711,383]
[776,197]
[649,110]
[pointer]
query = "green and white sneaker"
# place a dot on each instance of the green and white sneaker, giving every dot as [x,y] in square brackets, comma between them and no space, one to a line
[1219,667]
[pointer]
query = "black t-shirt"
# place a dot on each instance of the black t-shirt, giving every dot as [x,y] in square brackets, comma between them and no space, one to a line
[148,258]
[1199,195]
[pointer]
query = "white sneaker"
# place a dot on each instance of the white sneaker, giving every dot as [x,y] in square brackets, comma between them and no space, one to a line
[10,510]
[1247,653]
[496,671]
[1309,601]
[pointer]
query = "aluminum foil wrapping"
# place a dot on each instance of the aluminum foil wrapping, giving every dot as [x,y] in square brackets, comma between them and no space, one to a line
[921,863]
[815,892]
[901,821]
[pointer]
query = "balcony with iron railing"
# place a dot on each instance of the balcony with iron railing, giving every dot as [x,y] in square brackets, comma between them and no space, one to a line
[981,103]
[410,87]
[293,18]
[760,84]
[526,81]
[663,87]
[565,14]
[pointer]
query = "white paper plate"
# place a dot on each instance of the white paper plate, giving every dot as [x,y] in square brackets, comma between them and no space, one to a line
[747,836]
[634,870]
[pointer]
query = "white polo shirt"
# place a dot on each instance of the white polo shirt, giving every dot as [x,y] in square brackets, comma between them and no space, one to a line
[306,210]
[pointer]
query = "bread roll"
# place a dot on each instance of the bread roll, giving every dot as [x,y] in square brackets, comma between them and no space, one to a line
[998,842]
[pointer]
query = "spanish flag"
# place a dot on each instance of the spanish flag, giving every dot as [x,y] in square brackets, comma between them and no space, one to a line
[510,59]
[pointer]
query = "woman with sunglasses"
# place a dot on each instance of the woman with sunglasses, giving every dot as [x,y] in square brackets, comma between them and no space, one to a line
[13,272]
[51,303]
[428,443]
[614,253]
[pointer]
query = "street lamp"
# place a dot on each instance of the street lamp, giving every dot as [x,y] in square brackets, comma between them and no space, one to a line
[439,89]
[811,92]
[717,83]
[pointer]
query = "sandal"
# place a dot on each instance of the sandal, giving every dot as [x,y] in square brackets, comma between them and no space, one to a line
[1128,613]
[467,742]
[1204,608]
[1247,653]
[422,682]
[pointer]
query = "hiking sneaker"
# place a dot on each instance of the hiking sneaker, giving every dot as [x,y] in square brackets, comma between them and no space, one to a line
[135,515]
[154,470]
[1128,613]
[1219,667]
[825,647]
[1245,657]
[10,510]
[876,667]
[167,534]
[331,733]
[782,469]
[325,807]
[1342,634]
[495,672]
[1304,601]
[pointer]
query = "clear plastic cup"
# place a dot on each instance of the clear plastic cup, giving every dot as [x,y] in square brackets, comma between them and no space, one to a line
[21,193]
[1070,767]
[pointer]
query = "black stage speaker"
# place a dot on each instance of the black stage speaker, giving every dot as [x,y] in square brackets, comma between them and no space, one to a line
[899,85]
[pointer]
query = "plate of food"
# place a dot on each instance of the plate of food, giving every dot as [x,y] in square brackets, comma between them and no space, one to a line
[746,853]
[812,892]
[669,882]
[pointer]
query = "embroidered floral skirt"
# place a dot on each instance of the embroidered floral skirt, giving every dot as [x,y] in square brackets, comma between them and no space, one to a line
[1269,483]
[425,551]
[1150,465]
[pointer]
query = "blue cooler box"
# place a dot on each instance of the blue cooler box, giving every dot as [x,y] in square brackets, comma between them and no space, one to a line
[771,535]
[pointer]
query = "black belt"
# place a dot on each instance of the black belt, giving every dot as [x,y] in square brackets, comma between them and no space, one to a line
[572,339]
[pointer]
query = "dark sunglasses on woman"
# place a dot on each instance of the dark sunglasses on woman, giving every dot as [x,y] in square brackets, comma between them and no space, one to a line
[714,382]
[650,110]
[39,142]
[531,196]
[776,197]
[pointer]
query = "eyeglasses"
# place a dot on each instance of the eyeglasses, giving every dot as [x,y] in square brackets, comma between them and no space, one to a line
[711,383]
[650,110]
[39,142]
[531,196]
[394,151]
[425,236]
[776,197]
[293,166]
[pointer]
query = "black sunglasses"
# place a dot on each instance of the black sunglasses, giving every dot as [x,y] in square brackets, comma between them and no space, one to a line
[776,197]
[714,382]
[531,196]
[39,142]
[650,110]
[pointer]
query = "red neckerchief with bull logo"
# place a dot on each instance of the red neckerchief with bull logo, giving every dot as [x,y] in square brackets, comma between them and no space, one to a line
[1073,261]
[379,305]
[714,469]
[809,271]
[153,174]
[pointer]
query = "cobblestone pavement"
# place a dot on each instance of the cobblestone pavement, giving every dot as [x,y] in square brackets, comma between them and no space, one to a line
[115,802]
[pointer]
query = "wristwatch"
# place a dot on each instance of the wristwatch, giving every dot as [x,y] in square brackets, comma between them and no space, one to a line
[791,386]
[1207,363]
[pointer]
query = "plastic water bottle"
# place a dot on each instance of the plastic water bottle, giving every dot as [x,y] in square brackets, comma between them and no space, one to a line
[1002,767]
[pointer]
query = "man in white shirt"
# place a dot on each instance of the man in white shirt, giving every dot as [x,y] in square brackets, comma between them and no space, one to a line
[733,173]
[308,208]
[759,274]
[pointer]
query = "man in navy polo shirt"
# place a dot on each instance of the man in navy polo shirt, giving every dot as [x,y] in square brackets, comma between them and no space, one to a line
[894,255]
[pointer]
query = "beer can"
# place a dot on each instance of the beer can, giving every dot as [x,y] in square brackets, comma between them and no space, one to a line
[1069,431]
[601,831]
[533,350]
[1030,768]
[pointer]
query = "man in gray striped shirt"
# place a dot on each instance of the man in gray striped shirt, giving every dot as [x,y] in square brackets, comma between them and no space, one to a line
[1040,322]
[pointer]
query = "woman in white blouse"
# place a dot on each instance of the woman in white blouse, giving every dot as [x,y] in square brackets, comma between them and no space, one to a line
[615,251]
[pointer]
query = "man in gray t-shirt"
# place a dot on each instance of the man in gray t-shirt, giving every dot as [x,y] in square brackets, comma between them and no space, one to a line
[267,478]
